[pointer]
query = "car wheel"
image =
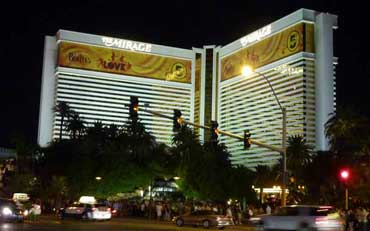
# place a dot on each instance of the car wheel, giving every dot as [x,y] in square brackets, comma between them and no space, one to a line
[206,224]
[84,216]
[260,226]
[304,227]
[179,222]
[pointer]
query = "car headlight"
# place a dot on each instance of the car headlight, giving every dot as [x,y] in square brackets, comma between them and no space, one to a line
[6,211]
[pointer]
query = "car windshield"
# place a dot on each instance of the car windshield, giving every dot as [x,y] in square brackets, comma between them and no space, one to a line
[8,203]
[304,211]
[100,205]
[77,205]
[287,211]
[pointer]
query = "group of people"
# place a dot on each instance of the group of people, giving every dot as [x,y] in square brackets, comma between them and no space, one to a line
[160,210]
[357,219]
[166,210]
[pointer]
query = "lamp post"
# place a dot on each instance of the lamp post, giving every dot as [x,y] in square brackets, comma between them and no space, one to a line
[344,175]
[246,71]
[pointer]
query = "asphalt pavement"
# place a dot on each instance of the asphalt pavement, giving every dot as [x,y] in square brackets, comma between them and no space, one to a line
[46,223]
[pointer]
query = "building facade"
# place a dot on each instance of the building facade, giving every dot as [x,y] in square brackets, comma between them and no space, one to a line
[96,75]
[295,54]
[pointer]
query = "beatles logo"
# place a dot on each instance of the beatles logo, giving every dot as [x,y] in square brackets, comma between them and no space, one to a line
[78,57]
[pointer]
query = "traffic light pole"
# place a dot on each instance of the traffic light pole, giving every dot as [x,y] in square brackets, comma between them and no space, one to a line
[283,188]
[283,143]
[219,131]
[346,199]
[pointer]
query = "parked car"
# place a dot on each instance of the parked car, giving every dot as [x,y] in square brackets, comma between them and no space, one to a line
[86,211]
[300,217]
[205,218]
[9,211]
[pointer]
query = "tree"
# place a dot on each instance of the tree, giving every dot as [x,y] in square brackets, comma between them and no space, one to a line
[186,154]
[321,179]
[298,155]
[348,134]
[75,125]
[64,111]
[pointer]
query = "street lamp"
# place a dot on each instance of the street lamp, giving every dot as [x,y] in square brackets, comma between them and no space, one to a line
[247,71]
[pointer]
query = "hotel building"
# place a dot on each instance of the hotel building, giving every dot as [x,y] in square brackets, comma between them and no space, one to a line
[96,75]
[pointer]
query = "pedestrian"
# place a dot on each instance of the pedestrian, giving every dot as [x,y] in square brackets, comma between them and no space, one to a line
[159,211]
[350,221]
[239,215]
[268,209]
[229,212]
[362,213]
[142,209]
[167,212]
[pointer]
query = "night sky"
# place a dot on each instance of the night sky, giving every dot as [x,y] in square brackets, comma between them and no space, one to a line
[184,24]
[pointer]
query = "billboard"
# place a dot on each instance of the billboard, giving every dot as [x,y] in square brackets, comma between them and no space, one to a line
[88,57]
[288,42]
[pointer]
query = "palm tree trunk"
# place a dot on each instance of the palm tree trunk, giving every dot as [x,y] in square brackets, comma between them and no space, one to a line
[61,128]
[261,195]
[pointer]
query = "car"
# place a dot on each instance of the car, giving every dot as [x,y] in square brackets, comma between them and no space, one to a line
[205,218]
[301,217]
[86,211]
[9,211]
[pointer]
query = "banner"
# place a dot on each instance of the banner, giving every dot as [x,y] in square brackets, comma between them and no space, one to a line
[116,61]
[288,42]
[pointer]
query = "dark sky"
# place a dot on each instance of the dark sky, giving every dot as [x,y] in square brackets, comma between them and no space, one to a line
[185,23]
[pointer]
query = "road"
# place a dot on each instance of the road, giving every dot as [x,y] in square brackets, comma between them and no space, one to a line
[46,223]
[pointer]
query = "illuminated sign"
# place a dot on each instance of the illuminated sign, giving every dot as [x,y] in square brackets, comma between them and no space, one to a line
[20,197]
[287,69]
[87,199]
[292,40]
[126,44]
[256,36]
[124,62]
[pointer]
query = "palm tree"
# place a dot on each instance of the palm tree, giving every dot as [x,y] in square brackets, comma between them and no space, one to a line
[348,134]
[298,153]
[75,125]
[64,111]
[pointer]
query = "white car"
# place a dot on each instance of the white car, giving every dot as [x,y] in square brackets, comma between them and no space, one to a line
[301,217]
[86,211]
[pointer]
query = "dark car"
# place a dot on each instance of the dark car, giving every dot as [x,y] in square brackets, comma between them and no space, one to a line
[86,211]
[9,211]
[205,218]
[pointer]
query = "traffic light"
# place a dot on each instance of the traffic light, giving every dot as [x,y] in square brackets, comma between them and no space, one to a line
[134,107]
[247,139]
[214,131]
[344,174]
[177,120]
